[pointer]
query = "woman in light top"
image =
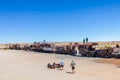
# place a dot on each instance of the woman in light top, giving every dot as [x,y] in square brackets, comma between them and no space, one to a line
[62,63]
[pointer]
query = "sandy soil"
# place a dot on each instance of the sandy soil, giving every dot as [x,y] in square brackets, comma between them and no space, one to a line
[109,60]
[23,65]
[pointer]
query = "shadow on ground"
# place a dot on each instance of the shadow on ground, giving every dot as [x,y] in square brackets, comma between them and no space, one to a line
[69,72]
[118,66]
[59,69]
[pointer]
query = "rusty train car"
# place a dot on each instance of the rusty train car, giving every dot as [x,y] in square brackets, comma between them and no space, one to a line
[85,50]
[15,46]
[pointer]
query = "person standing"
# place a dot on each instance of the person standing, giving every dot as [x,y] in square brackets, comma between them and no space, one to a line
[72,65]
[62,63]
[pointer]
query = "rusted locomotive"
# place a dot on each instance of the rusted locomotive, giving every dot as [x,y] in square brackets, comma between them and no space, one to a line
[83,49]
[15,46]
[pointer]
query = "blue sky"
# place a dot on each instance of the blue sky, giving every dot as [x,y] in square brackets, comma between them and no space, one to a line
[59,20]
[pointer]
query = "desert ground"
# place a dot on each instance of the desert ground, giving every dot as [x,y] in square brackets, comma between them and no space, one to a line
[26,65]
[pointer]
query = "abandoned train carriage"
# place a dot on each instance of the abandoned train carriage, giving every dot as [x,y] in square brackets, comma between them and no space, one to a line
[15,46]
[66,49]
[86,49]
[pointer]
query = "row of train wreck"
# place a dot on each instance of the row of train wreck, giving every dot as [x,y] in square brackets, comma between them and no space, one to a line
[85,49]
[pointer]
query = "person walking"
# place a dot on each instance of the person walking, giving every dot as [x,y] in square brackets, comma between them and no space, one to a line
[72,65]
[62,63]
